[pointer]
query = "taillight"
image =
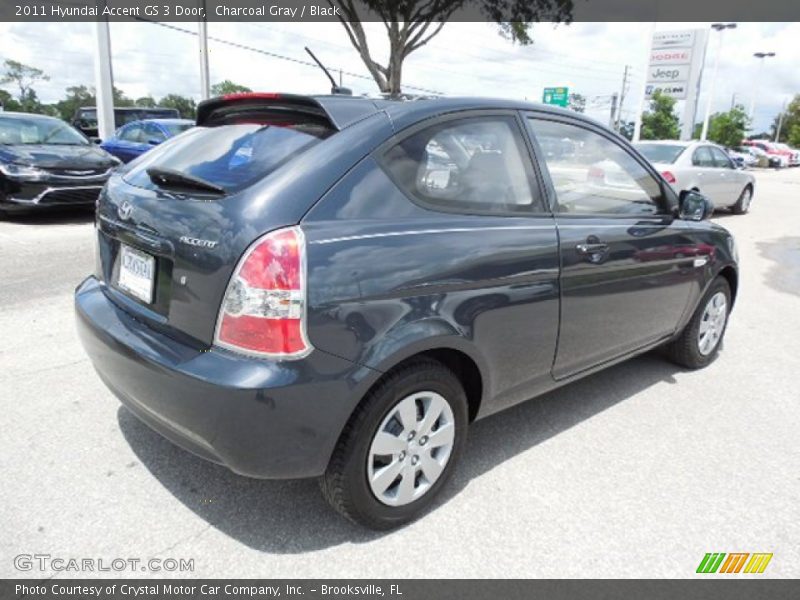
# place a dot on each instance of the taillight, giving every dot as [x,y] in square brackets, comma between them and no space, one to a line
[668,176]
[263,312]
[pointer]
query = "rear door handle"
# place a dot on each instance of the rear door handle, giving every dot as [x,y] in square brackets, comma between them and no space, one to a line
[592,248]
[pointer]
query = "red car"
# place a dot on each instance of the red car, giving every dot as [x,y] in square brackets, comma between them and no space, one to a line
[785,156]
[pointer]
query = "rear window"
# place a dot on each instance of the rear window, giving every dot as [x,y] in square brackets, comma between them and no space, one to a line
[660,153]
[176,128]
[232,157]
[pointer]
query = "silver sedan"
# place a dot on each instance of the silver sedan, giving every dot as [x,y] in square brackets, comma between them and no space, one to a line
[703,167]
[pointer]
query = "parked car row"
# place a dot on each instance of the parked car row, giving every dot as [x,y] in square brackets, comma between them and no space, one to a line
[702,167]
[45,162]
[779,153]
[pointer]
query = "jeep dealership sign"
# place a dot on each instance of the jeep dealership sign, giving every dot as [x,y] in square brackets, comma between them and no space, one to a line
[675,68]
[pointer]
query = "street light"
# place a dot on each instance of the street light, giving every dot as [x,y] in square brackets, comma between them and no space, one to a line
[721,27]
[760,56]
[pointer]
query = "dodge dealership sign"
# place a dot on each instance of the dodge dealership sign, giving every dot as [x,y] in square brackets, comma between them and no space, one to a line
[674,68]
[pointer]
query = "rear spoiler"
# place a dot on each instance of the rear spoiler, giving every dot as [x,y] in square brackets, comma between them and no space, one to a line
[337,111]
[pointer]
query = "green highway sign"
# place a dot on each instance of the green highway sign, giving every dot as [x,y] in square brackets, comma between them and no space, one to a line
[556,95]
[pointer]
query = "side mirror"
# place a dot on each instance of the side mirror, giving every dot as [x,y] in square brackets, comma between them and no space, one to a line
[153,142]
[95,140]
[694,206]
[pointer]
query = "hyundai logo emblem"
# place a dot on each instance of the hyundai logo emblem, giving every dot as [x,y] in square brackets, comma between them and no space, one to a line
[124,210]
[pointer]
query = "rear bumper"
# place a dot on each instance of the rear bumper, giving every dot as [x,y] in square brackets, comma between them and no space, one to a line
[259,418]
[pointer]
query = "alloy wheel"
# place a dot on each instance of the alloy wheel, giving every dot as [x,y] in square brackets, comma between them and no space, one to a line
[411,448]
[712,325]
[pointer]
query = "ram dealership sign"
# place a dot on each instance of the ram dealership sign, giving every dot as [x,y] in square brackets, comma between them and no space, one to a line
[675,68]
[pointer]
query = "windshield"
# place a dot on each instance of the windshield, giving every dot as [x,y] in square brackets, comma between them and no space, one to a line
[176,128]
[38,130]
[232,157]
[660,153]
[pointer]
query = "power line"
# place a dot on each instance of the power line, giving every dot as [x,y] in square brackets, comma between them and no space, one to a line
[280,56]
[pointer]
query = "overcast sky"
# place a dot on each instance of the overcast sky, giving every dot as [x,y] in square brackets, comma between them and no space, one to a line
[465,59]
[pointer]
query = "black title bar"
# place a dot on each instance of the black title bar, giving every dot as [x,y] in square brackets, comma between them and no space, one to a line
[323,11]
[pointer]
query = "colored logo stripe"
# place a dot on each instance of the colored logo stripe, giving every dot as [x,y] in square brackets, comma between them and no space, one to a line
[735,561]
[758,563]
[710,562]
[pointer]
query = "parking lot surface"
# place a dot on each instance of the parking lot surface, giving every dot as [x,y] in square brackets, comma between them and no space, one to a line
[637,471]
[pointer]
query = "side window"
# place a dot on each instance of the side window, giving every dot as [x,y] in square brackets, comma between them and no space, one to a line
[132,133]
[721,159]
[474,164]
[592,174]
[153,132]
[702,157]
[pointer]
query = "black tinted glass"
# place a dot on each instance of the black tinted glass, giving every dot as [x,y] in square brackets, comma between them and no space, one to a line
[232,157]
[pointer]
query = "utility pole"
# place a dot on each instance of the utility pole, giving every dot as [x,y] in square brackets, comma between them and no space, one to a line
[719,27]
[637,126]
[202,35]
[733,100]
[780,123]
[622,93]
[613,118]
[103,80]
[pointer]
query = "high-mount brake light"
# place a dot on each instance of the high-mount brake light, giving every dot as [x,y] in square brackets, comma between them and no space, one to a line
[264,309]
[252,96]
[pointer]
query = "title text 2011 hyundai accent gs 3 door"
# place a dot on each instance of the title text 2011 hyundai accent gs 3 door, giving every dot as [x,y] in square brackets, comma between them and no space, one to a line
[336,287]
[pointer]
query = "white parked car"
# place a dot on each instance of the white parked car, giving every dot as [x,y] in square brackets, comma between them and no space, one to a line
[703,167]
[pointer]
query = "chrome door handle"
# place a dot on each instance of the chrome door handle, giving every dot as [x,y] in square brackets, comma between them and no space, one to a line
[592,248]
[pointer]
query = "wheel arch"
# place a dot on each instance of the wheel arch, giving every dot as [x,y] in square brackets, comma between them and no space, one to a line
[730,274]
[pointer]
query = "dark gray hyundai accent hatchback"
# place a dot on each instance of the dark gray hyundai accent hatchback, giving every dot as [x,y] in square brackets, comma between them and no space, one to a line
[336,287]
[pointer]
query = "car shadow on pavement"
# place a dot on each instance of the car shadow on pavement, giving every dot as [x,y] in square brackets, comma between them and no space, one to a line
[291,517]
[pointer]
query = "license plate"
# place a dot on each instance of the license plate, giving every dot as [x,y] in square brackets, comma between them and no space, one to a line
[136,273]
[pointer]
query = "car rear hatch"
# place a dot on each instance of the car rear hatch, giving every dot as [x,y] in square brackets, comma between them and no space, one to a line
[173,224]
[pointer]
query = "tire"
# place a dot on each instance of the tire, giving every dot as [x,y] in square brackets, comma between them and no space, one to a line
[422,384]
[688,348]
[743,203]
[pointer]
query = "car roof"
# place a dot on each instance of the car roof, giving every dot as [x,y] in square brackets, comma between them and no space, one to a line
[165,121]
[684,143]
[24,115]
[345,110]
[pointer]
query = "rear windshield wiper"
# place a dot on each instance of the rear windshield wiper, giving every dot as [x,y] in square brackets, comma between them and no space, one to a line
[169,178]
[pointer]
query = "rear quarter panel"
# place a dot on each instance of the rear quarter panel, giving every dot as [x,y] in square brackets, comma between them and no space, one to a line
[388,279]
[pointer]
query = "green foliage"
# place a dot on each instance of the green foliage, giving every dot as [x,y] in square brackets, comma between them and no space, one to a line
[77,96]
[660,122]
[145,102]
[790,128]
[728,128]
[228,87]
[186,106]
[24,77]
[8,101]
[120,99]
[793,137]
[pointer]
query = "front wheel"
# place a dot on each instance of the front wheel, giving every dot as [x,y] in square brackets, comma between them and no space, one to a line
[743,203]
[399,447]
[699,342]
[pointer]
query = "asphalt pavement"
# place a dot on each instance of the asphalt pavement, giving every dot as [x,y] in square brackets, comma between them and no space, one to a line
[637,471]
